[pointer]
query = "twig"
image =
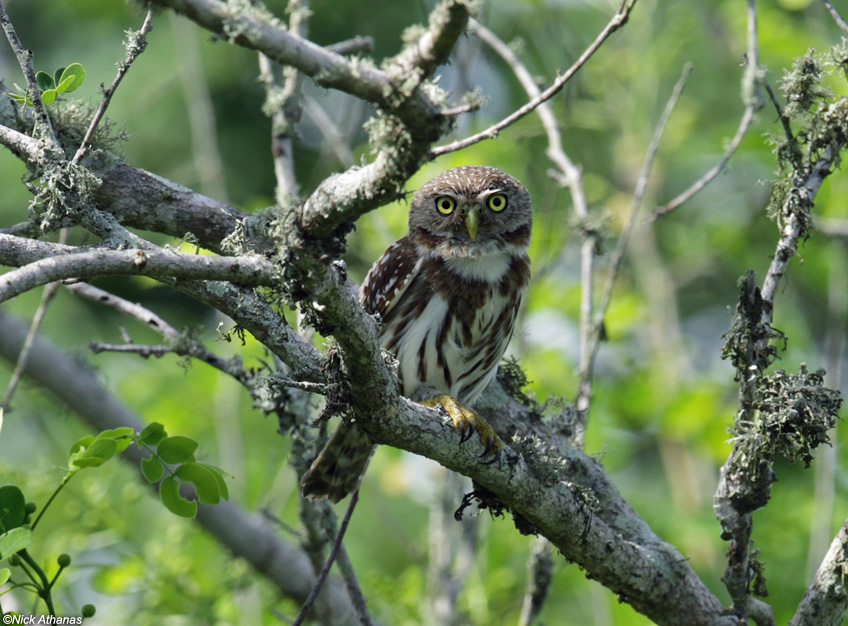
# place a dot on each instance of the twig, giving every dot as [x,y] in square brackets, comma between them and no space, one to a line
[569,175]
[135,45]
[345,568]
[142,314]
[753,102]
[322,575]
[24,57]
[539,576]
[352,46]
[332,134]
[784,120]
[836,17]
[20,365]
[200,110]
[618,20]
[282,106]
[38,318]
[618,255]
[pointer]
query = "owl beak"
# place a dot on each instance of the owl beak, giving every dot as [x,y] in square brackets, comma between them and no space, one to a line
[472,220]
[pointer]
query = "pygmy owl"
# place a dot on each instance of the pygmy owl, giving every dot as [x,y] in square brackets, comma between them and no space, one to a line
[447,294]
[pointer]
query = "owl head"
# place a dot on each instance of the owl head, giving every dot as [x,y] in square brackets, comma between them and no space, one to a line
[471,211]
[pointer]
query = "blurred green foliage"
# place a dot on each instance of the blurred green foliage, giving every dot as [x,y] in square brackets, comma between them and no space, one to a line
[663,397]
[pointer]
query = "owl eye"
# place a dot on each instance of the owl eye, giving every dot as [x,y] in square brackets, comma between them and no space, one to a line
[445,205]
[497,202]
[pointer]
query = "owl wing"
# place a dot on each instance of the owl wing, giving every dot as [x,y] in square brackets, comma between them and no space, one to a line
[389,277]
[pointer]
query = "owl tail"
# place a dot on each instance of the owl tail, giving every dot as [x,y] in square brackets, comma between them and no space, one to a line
[337,470]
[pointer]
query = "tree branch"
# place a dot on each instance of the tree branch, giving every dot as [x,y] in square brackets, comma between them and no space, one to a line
[161,264]
[618,20]
[826,600]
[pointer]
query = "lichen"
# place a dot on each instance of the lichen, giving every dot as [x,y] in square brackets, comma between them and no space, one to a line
[791,415]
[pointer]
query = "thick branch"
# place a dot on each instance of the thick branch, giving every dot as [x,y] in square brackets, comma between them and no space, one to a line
[826,600]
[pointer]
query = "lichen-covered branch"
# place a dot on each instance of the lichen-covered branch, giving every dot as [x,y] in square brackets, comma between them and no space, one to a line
[826,600]
[781,414]
[162,264]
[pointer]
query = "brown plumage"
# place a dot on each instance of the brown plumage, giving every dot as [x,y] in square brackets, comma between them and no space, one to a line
[448,295]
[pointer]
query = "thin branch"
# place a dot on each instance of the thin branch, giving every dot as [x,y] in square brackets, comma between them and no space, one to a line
[715,170]
[283,107]
[621,247]
[136,43]
[569,175]
[20,365]
[618,20]
[142,314]
[539,577]
[24,57]
[352,46]
[753,102]
[245,270]
[322,576]
[37,320]
[836,17]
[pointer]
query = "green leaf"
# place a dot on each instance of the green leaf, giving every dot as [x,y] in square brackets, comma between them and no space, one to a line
[48,96]
[5,575]
[20,98]
[219,475]
[152,434]
[63,86]
[12,507]
[45,81]
[169,492]
[57,75]
[176,449]
[203,480]
[100,451]
[15,540]
[122,436]
[76,71]
[82,443]
[152,469]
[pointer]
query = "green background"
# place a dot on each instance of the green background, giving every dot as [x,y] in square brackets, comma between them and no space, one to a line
[663,397]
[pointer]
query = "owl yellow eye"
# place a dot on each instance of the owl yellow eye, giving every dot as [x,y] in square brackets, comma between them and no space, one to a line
[497,202]
[445,205]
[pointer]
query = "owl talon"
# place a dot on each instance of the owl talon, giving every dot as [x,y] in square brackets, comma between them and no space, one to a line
[466,422]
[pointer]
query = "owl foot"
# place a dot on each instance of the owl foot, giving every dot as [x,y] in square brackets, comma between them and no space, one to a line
[466,422]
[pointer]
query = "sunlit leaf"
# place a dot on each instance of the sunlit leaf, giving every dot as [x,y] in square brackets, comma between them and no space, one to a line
[76,73]
[152,434]
[15,540]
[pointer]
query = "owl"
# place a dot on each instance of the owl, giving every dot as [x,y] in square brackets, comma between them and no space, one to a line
[447,295]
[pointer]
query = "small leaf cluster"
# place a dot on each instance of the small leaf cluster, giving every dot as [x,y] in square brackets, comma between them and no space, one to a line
[16,528]
[178,451]
[171,460]
[63,80]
